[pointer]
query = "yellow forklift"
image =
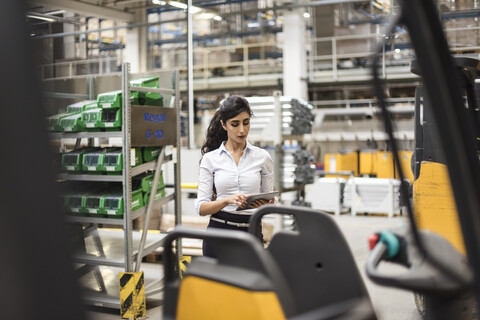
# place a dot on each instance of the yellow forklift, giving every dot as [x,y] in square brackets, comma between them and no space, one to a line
[264,284]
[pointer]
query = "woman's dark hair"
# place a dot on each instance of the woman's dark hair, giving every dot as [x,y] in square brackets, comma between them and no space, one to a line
[230,108]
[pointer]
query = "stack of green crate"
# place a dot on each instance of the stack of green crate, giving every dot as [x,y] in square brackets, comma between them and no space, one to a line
[53,122]
[72,162]
[160,191]
[74,123]
[147,98]
[144,182]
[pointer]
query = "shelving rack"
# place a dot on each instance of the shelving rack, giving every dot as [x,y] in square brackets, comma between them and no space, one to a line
[108,253]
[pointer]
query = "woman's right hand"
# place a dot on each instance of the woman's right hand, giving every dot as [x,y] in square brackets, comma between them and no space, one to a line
[236,199]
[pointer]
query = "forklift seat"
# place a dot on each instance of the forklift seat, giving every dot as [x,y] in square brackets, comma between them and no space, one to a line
[317,263]
[243,282]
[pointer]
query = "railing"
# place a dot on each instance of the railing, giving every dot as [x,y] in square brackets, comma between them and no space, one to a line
[225,61]
[71,69]
[330,59]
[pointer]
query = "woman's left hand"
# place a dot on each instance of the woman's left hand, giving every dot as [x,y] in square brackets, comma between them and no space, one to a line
[259,203]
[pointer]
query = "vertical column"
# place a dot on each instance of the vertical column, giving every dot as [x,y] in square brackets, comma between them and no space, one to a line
[69,41]
[136,44]
[191,114]
[294,57]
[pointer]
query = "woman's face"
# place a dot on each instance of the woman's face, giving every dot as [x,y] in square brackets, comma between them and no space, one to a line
[238,127]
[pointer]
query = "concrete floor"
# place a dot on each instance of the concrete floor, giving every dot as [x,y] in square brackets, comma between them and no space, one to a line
[389,303]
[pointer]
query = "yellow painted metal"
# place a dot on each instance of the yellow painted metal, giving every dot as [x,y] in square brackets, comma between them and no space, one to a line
[203,299]
[132,295]
[335,162]
[368,162]
[183,264]
[405,157]
[385,168]
[192,185]
[434,204]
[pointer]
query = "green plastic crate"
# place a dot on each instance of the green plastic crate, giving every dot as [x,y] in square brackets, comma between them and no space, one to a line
[113,204]
[93,204]
[75,203]
[148,98]
[113,99]
[151,153]
[93,161]
[113,160]
[92,119]
[159,195]
[72,161]
[72,123]
[144,181]
[111,119]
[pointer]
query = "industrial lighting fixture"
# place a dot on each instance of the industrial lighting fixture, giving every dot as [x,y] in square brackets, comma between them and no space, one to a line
[306,15]
[217,18]
[159,2]
[34,16]
[184,6]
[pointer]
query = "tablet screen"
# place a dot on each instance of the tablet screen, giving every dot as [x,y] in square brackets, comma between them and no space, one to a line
[267,196]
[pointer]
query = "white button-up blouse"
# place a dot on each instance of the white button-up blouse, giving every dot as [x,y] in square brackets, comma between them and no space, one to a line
[254,174]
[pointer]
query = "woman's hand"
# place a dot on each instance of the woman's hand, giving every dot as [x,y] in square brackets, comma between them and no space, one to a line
[260,203]
[236,199]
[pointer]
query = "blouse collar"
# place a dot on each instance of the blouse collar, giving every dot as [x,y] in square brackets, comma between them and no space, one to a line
[223,149]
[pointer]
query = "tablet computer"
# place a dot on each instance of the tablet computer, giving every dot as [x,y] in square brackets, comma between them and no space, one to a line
[267,196]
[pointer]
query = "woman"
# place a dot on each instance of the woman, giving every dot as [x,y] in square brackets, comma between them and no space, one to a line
[231,169]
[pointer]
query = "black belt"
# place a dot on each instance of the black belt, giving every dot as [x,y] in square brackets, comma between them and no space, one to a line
[232,219]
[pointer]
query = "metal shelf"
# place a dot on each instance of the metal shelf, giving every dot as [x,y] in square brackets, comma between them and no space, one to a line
[89,135]
[114,255]
[155,90]
[148,166]
[90,177]
[112,178]
[107,250]
[158,203]
[119,222]
[110,298]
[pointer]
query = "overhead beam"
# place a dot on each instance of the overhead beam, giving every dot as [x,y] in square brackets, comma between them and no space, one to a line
[87,9]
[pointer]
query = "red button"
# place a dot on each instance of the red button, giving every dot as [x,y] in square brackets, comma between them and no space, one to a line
[373,240]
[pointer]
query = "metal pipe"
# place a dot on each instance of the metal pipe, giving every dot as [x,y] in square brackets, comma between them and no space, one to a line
[153,193]
[191,115]
[146,24]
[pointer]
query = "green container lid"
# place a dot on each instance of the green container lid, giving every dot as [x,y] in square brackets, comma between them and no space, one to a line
[82,106]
